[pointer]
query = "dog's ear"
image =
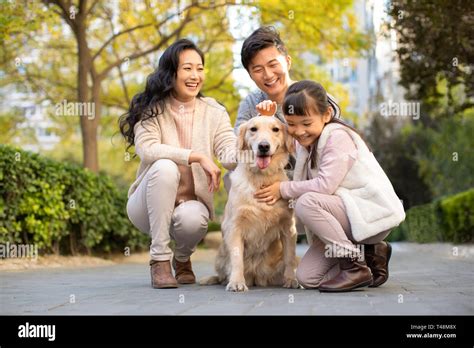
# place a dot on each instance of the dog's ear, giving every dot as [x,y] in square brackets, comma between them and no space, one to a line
[241,143]
[289,141]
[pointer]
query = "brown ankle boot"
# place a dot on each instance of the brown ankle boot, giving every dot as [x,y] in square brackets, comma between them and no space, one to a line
[377,257]
[354,274]
[184,272]
[161,277]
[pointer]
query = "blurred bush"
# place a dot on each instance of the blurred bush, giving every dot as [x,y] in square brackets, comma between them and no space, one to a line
[449,219]
[214,226]
[62,207]
[458,217]
[394,143]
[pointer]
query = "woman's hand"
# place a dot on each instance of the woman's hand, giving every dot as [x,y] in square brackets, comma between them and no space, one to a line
[267,108]
[212,171]
[269,194]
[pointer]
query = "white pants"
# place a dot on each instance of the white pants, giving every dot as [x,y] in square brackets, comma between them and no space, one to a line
[151,208]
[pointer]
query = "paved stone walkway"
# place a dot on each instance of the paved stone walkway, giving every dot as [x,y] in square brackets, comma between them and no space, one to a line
[434,279]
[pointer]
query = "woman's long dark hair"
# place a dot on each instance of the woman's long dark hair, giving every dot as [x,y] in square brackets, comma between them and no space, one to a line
[159,85]
[304,96]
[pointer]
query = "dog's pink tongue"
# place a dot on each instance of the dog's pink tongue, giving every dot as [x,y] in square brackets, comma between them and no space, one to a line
[263,162]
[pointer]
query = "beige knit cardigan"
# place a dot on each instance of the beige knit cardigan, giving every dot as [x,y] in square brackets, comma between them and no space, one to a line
[157,138]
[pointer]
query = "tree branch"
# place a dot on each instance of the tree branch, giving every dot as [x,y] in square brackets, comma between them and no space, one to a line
[221,81]
[152,49]
[89,11]
[112,105]
[56,83]
[115,103]
[63,13]
[137,47]
[119,68]
[113,37]
[140,26]
[83,8]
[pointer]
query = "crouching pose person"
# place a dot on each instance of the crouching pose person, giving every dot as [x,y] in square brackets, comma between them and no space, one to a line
[176,133]
[343,196]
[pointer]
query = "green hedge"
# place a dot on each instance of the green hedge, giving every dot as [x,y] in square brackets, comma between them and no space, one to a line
[213,226]
[62,208]
[458,213]
[450,219]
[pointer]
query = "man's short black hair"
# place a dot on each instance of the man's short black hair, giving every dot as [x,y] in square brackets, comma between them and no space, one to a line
[260,39]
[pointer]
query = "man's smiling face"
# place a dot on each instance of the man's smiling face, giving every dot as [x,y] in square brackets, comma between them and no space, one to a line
[269,69]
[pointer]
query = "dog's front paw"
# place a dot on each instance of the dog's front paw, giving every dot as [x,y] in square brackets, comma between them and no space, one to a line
[237,286]
[290,283]
[289,278]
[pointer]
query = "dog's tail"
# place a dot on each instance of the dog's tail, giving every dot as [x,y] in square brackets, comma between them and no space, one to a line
[211,280]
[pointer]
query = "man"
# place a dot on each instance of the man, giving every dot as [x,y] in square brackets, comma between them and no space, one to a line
[266,59]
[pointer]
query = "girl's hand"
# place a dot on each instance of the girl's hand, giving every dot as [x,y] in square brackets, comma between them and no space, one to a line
[212,171]
[269,194]
[267,108]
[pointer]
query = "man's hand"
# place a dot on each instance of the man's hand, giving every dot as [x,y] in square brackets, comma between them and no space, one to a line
[267,108]
[269,194]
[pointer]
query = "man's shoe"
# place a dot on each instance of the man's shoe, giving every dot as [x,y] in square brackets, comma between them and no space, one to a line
[377,257]
[184,272]
[354,274]
[161,277]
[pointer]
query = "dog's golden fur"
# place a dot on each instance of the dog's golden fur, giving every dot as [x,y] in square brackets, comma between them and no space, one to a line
[259,240]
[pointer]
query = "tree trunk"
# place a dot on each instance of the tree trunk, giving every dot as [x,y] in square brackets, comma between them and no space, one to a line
[88,122]
[97,113]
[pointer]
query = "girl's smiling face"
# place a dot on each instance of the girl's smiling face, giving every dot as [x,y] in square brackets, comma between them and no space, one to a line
[306,129]
[189,76]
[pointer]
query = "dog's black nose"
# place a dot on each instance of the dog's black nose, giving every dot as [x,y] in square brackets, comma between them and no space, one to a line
[264,147]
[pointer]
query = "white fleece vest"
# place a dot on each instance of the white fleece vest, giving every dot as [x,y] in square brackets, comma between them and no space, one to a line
[369,198]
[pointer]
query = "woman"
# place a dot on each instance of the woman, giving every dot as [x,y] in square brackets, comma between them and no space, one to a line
[175,131]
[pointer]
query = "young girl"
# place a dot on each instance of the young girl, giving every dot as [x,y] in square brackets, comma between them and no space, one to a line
[176,132]
[342,195]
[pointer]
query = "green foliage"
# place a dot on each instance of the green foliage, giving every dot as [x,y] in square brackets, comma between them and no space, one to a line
[421,225]
[450,219]
[423,28]
[397,234]
[425,162]
[30,202]
[432,157]
[213,226]
[458,213]
[62,207]
[10,122]
[446,162]
[316,34]
[394,145]
[327,28]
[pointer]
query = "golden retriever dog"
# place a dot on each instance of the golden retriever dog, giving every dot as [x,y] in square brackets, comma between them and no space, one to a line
[259,240]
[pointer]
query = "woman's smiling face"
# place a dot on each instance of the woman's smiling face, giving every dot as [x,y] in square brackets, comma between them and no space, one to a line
[189,76]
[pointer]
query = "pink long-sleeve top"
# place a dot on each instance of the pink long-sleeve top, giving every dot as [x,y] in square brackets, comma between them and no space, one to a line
[183,115]
[336,160]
